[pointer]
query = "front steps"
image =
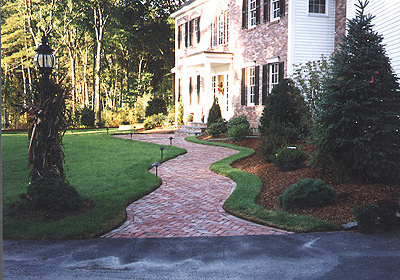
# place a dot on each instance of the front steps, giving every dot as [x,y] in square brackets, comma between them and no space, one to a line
[192,128]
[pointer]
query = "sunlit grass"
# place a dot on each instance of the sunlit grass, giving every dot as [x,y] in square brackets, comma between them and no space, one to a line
[112,172]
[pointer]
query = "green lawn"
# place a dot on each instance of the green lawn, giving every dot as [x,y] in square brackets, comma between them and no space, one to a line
[242,201]
[112,172]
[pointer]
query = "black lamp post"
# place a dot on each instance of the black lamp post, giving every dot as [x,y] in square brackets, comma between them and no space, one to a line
[161,149]
[156,165]
[45,132]
[170,140]
[44,59]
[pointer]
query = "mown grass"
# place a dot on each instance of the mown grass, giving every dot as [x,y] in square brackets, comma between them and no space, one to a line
[111,172]
[241,203]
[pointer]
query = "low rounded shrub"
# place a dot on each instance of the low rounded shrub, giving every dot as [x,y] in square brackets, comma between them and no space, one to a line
[307,193]
[366,216]
[154,121]
[237,121]
[217,128]
[238,132]
[387,213]
[289,159]
[53,194]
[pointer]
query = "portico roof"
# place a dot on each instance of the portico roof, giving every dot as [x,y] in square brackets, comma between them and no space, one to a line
[202,58]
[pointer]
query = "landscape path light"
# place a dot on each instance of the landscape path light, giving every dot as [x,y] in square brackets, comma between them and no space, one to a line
[161,149]
[170,140]
[156,165]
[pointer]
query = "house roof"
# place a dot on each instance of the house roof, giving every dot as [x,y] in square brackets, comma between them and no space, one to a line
[185,7]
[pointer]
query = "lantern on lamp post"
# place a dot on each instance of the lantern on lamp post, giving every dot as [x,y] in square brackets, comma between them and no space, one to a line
[44,59]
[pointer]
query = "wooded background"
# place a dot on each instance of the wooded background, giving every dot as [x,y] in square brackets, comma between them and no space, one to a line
[110,54]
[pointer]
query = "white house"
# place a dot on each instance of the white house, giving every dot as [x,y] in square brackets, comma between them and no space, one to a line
[237,50]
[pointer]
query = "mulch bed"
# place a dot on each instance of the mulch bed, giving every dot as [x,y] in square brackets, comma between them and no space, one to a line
[275,182]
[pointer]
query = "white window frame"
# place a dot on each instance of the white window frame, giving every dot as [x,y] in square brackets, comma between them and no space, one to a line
[273,75]
[275,10]
[252,13]
[214,84]
[325,4]
[220,28]
[251,85]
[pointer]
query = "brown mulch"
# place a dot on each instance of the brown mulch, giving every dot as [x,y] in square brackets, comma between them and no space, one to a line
[275,182]
[22,211]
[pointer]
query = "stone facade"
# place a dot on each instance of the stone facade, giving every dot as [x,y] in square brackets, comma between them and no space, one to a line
[340,24]
[264,44]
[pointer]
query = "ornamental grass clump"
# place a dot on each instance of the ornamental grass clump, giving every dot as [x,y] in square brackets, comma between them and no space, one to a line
[307,193]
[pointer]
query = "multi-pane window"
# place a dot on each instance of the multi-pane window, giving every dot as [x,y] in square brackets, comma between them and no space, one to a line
[251,83]
[275,9]
[317,6]
[179,36]
[274,75]
[214,84]
[252,13]
[196,30]
[220,29]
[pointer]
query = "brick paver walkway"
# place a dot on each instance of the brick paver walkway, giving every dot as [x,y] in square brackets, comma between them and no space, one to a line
[189,202]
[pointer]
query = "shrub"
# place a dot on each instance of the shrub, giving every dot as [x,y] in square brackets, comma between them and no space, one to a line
[180,112]
[154,121]
[289,159]
[156,106]
[236,121]
[387,213]
[239,132]
[87,117]
[217,128]
[52,194]
[284,112]
[307,193]
[366,216]
[215,113]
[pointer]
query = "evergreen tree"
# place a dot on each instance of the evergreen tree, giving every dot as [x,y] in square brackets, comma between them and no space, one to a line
[215,113]
[358,127]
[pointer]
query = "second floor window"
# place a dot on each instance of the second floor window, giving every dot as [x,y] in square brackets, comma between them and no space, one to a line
[317,6]
[220,29]
[275,9]
[253,13]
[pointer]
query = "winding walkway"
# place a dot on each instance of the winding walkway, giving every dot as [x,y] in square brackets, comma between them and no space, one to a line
[189,202]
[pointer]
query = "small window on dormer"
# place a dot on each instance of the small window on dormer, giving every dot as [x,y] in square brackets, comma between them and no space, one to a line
[317,6]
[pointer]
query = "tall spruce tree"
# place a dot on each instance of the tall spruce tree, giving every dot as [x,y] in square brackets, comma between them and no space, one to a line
[358,129]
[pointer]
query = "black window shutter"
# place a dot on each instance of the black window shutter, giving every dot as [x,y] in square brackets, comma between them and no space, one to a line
[281,71]
[244,14]
[257,86]
[198,30]
[266,11]
[257,11]
[243,93]
[186,34]
[190,90]
[282,8]
[191,33]
[198,89]
[264,83]
[179,36]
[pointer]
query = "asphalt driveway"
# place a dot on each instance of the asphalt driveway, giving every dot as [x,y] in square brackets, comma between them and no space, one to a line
[336,255]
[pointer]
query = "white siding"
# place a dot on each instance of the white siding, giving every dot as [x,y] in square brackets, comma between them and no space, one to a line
[387,24]
[311,35]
